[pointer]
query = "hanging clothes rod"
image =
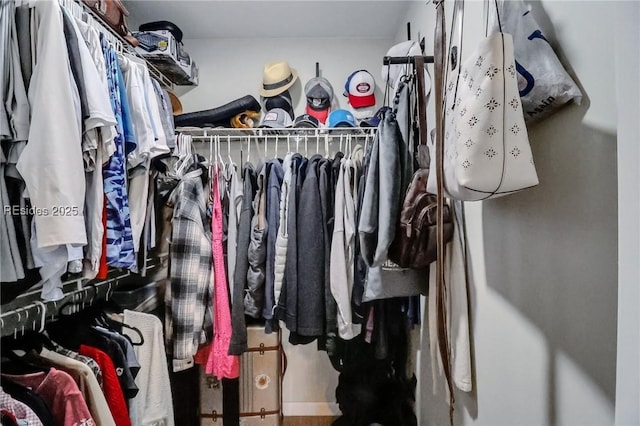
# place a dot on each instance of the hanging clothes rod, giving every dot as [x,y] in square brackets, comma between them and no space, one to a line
[35,315]
[264,133]
[28,312]
[397,60]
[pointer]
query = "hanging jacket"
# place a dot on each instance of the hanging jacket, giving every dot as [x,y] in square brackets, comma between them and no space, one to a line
[327,198]
[383,192]
[310,239]
[235,207]
[191,260]
[257,252]
[239,330]
[283,233]
[272,194]
[289,293]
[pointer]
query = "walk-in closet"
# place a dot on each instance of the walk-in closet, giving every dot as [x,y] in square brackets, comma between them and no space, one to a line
[349,213]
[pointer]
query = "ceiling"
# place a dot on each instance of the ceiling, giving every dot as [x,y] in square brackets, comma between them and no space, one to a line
[274,19]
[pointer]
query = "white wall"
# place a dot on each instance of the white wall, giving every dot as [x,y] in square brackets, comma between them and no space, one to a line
[544,261]
[230,69]
[627,67]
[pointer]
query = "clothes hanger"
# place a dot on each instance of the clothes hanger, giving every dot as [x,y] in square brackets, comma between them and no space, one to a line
[211,154]
[257,144]
[99,313]
[229,151]
[326,145]
[220,158]
[15,363]
[248,149]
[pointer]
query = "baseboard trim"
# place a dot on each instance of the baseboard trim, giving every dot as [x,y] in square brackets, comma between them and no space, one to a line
[310,409]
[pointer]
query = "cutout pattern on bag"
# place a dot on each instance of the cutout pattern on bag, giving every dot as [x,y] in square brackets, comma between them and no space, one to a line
[487,152]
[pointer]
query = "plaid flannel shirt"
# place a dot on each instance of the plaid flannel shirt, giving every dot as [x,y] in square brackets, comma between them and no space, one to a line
[190,271]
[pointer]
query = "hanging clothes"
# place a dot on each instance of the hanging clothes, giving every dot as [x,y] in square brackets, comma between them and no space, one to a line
[282,240]
[310,240]
[236,192]
[84,378]
[257,251]
[220,363]
[111,388]
[342,266]
[239,329]
[31,399]
[153,404]
[272,194]
[120,249]
[60,393]
[289,291]
[51,163]
[20,410]
[189,294]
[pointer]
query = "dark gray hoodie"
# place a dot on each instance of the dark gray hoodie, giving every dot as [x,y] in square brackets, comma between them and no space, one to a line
[239,330]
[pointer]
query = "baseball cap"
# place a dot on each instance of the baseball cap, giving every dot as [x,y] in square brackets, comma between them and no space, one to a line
[360,89]
[282,101]
[319,94]
[276,118]
[306,121]
[377,117]
[341,118]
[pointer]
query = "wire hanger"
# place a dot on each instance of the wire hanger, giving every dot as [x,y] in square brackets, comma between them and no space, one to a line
[219,145]
[210,151]
[326,145]
[265,149]
[248,149]
[229,151]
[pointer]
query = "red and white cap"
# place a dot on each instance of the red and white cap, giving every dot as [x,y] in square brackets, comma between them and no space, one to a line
[360,89]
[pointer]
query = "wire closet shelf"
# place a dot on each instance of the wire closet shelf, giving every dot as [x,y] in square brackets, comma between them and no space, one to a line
[83,12]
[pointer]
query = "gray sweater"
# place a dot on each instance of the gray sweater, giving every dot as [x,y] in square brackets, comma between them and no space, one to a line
[239,330]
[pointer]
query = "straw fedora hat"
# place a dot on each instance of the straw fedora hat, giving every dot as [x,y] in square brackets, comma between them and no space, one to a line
[277,77]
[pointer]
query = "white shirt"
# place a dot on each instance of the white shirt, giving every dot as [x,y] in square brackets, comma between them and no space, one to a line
[341,266]
[99,124]
[150,138]
[51,163]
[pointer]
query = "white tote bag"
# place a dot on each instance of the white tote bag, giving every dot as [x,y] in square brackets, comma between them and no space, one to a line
[486,152]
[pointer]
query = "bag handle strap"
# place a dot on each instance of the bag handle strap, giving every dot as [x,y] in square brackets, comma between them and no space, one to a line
[453,56]
[440,56]
[422,105]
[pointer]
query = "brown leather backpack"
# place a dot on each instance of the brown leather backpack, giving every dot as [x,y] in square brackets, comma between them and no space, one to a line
[414,245]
